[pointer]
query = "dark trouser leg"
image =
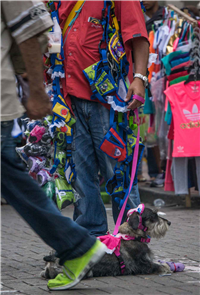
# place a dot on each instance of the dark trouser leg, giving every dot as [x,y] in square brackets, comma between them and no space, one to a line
[89,209]
[22,192]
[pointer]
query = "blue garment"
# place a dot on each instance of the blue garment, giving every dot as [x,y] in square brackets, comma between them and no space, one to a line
[91,126]
[149,107]
[166,60]
[21,191]
[183,55]
[179,61]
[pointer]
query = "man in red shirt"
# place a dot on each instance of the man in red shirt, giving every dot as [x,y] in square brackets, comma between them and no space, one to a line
[81,43]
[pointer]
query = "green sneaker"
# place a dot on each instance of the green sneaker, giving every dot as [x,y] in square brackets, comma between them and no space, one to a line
[74,270]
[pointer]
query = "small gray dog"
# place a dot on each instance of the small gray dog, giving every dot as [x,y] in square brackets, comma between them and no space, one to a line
[134,256]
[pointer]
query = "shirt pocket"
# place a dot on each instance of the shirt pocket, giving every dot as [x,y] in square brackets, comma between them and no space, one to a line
[90,35]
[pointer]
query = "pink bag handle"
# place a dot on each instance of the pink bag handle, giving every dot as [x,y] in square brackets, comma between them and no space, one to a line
[134,165]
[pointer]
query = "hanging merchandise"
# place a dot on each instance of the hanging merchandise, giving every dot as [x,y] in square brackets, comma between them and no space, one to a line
[174,84]
[47,152]
[184,99]
[109,84]
[182,153]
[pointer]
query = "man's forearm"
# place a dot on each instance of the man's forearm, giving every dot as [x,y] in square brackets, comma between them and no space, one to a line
[38,104]
[32,57]
[141,55]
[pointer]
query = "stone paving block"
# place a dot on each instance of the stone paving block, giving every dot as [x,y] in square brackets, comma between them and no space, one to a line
[89,287]
[132,283]
[7,277]
[34,291]
[18,275]
[194,288]
[114,287]
[116,281]
[184,278]
[147,281]
[5,288]
[19,286]
[177,281]
[74,291]
[193,275]
[174,291]
[35,282]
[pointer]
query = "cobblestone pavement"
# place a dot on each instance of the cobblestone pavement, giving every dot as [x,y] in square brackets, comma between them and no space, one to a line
[22,253]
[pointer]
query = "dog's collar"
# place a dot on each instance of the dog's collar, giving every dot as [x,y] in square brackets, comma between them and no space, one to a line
[138,239]
[141,226]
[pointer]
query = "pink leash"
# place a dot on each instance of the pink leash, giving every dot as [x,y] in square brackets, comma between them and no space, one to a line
[134,165]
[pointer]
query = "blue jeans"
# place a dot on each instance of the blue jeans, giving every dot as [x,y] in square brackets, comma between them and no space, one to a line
[91,126]
[61,233]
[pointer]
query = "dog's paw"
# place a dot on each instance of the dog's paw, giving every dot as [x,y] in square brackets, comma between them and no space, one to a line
[43,274]
[89,274]
[165,267]
[50,272]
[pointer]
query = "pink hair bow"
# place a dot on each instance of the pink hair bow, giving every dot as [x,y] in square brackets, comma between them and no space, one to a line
[139,209]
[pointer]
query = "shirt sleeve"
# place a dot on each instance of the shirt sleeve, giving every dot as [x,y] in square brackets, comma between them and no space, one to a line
[26,19]
[131,18]
[170,95]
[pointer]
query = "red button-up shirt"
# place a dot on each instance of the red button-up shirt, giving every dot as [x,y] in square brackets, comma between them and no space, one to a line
[81,46]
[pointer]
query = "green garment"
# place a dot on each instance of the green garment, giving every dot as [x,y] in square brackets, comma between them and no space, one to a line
[178,80]
[167,58]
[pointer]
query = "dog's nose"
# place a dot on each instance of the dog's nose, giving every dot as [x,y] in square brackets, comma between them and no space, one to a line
[169,222]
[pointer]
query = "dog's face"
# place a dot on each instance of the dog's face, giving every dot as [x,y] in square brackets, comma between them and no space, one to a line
[156,225]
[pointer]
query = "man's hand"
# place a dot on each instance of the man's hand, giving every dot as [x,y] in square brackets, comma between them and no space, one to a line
[136,88]
[38,105]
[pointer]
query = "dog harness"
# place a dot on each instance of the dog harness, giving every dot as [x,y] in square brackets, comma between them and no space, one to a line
[113,242]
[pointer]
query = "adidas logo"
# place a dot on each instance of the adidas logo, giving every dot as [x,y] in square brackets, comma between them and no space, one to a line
[194,116]
[180,149]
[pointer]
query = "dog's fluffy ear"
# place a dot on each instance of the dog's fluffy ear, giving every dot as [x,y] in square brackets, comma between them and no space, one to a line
[134,221]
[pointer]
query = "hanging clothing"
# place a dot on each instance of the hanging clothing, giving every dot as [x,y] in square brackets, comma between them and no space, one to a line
[177,75]
[179,70]
[179,61]
[183,55]
[185,105]
[166,60]
[185,48]
[161,126]
[185,64]
[179,172]
[169,185]
[151,69]
[178,80]
[171,33]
